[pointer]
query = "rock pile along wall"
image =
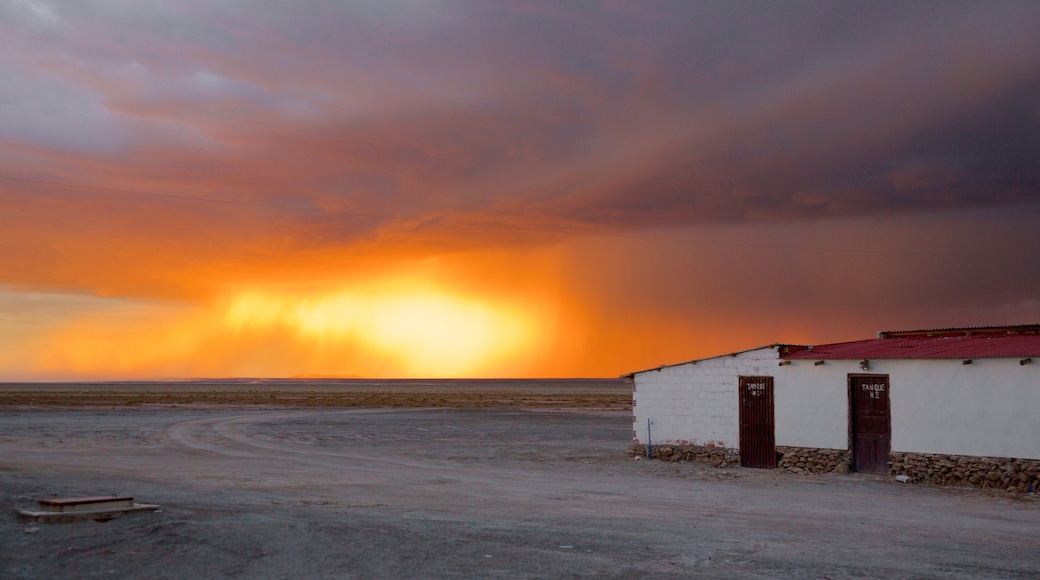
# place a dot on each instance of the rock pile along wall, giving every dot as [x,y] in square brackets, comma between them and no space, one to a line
[717,456]
[1021,475]
[1010,474]
[813,460]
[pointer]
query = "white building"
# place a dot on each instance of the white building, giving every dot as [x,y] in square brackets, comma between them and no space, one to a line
[948,406]
[693,406]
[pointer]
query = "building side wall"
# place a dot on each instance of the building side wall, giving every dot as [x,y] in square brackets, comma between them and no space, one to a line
[812,404]
[986,409]
[696,404]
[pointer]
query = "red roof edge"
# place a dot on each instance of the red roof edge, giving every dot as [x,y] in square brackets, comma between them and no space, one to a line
[963,331]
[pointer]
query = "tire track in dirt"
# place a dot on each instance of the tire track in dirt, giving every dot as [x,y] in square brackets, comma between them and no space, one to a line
[225,437]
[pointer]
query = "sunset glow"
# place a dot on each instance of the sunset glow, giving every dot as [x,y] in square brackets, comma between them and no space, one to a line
[515,189]
[398,329]
[426,331]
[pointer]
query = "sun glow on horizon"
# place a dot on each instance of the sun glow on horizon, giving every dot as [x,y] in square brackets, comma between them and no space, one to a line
[402,328]
[427,330]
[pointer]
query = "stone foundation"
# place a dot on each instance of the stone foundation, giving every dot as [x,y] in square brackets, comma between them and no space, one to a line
[812,460]
[717,456]
[1004,473]
[792,459]
[1022,475]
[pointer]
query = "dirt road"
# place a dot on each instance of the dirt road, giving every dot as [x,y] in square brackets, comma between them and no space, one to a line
[467,493]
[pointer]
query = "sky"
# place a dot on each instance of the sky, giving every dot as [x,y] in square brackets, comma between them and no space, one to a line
[442,188]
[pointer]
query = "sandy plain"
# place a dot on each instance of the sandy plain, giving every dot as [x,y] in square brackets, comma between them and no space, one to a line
[523,481]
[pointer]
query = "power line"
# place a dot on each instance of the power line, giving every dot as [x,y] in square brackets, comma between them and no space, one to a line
[451,223]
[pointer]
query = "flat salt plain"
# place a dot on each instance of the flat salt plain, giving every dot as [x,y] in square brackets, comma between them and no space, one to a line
[501,479]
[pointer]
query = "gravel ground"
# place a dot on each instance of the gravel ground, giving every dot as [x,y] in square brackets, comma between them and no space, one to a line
[467,493]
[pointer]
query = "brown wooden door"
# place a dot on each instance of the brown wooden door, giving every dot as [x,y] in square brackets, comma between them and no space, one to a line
[871,423]
[757,437]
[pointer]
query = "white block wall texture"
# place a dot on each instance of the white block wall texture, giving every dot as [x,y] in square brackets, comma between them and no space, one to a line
[696,403]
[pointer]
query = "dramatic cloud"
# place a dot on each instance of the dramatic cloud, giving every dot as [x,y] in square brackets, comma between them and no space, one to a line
[833,167]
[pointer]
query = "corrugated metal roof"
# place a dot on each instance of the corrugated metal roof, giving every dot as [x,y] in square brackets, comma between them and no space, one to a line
[958,346]
[1006,329]
[1008,341]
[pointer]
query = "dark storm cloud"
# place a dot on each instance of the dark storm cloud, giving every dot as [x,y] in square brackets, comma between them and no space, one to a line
[942,118]
[619,114]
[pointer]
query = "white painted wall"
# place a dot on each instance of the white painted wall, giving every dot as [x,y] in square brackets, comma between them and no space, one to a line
[988,408]
[812,404]
[696,404]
